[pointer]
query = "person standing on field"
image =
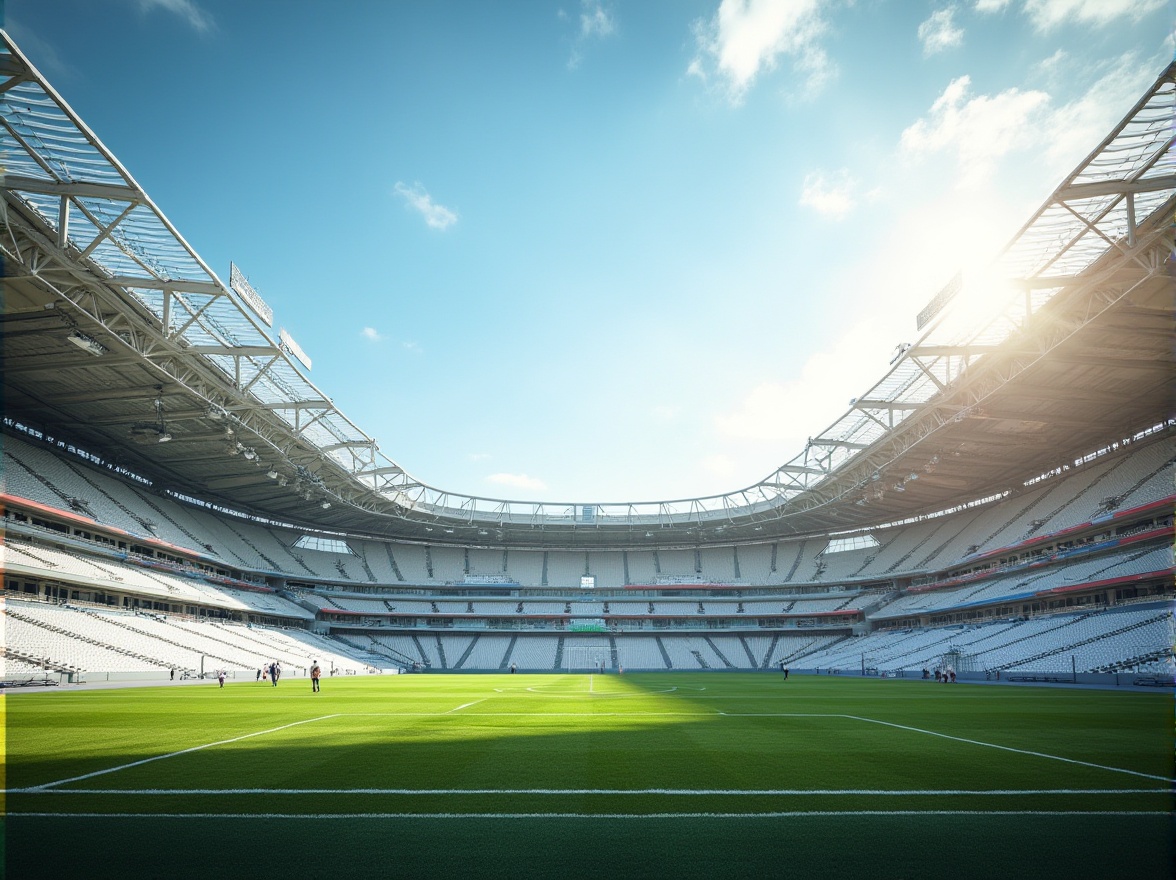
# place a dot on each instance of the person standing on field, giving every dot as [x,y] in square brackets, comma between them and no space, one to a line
[315,675]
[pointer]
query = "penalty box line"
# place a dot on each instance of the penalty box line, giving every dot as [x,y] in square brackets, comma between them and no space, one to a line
[47,786]
[989,745]
[50,785]
[974,742]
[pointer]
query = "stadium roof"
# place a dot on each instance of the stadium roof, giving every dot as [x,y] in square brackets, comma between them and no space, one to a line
[120,339]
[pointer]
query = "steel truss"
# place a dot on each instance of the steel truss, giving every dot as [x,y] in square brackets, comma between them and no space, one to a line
[76,222]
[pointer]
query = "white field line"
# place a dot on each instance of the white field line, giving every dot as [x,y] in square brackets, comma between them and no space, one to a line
[222,742]
[781,714]
[547,714]
[788,814]
[464,706]
[563,792]
[50,785]
[989,745]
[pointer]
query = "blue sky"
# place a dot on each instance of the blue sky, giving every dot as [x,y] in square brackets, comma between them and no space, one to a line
[597,251]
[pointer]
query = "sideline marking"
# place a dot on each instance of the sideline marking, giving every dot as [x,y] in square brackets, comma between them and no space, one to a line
[974,742]
[977,742]
[539,714]
[673,792]
[540,689]
[48,785]
[462,706]
[545,690]
[789,814]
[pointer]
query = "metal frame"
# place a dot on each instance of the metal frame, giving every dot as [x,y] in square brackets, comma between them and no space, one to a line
[100,245]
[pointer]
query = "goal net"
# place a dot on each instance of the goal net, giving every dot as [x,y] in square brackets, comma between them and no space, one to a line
[587,658]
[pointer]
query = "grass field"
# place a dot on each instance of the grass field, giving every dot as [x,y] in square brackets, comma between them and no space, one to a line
[574,775]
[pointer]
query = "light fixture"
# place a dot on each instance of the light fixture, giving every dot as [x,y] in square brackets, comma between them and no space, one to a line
[282,481]
[326,504]
[216,413]
[272,474]
[250,453]
[86,343]
[165,437]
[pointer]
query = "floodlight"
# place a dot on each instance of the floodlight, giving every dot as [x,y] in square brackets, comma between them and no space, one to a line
[86,343]
[165,437]
[250,453]
[326,504]
[272,474]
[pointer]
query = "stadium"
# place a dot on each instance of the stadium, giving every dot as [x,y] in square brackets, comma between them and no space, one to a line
[949,616]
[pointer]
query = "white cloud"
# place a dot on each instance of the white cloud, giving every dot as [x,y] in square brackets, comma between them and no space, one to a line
[416,197]
[747,37]
[1051,66]
[719,465]
[414,347]
[790,411]
[1048,14]
[991,5]
[979,130]
[832,197]
[41,53]
[1074,127]
[517,481]
[197,18]
[371,334]
[939,32]
[596,23]
[478,456]
[595,20]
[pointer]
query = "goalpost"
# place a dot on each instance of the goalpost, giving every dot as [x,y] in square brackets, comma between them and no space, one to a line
[587,658]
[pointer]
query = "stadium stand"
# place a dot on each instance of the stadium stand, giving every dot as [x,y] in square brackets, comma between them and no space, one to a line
[999,519]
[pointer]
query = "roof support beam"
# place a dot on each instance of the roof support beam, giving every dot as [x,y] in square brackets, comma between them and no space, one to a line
[103,231]
[71,189]
[178,285]
[1077,191]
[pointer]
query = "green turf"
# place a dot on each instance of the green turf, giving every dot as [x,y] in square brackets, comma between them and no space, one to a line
[642,775]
